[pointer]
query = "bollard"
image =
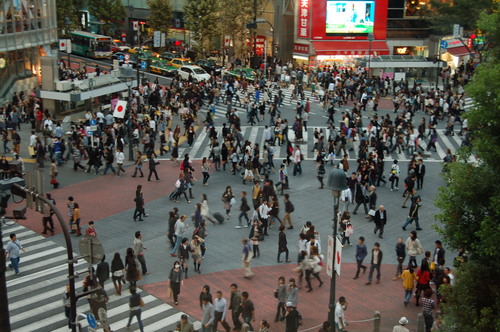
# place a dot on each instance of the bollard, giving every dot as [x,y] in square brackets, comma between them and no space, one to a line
[420,322]
[376,321]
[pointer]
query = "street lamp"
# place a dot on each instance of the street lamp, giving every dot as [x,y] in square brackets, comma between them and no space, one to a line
[337,182]
[370,39]
[128,76]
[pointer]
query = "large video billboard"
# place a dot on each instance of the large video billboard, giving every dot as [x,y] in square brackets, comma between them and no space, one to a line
[348,19]
[354,17]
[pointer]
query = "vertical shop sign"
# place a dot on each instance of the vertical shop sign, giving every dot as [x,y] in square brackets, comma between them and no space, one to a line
[303,19]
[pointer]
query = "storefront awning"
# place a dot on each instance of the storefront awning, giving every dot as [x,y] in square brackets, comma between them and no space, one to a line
[458,51]
[344,47]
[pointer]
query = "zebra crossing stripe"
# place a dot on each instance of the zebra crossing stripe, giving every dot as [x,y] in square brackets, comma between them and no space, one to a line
[39,294]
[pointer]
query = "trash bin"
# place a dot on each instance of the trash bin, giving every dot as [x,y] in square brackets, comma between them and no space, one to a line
[66,123]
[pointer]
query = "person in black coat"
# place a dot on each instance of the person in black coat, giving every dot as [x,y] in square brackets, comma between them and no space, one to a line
[376,262]
[420,170]
[380,220]
[282,244]
[152,169]
[102,272]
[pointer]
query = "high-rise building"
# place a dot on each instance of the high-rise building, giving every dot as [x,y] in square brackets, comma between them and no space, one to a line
[27,28]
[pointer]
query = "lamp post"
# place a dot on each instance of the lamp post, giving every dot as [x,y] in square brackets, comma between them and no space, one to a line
[337,182]
[370,39]
[128,75]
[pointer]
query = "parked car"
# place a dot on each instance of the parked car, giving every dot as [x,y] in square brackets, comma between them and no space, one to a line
[210,66]
[179,62]
[197,74]
[162,67]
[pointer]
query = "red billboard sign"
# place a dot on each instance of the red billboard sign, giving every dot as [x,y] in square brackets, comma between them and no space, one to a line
[301,48]
[303,19]
[348,19]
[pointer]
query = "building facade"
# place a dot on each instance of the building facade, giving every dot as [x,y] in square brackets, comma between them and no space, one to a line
[27,29]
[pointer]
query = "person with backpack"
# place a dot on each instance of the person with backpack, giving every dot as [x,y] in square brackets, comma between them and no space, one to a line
[293,319]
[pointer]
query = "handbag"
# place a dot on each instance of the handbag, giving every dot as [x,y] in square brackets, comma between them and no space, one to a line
[232,201]
[371,212]
[31,150]
[142,303]
[276,294]
[169,292]
[74,227]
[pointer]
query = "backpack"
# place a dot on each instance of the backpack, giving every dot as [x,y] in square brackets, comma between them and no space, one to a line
[292,208]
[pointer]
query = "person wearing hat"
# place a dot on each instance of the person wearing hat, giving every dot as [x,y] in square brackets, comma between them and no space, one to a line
[293,319]
[401,327]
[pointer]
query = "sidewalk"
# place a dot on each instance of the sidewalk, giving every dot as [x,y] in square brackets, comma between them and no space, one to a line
[363,300]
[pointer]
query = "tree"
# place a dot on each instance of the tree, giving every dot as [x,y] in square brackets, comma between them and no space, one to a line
[202,19]
[68,12]
[109,12]
[442,14]
[236,14]
[470,204]
[160,18]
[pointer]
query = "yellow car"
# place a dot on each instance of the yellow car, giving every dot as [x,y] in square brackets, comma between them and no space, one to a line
[179,62]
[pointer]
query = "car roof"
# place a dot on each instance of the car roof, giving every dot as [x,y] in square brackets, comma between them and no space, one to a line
[182,59]
[191,67]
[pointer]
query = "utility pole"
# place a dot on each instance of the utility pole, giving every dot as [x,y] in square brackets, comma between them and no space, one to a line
[255,32]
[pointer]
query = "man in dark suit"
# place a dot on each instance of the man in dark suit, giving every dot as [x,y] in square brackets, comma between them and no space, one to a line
[380,220]
[375,263]
[420,170]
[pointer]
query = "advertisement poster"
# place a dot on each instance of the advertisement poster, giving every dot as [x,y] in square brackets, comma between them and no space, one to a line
[349,17]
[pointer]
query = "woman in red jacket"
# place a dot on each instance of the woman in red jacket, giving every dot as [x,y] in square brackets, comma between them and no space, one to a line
[424,278]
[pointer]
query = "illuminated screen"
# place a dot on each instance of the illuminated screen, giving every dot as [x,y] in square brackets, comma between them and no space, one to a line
[349,17]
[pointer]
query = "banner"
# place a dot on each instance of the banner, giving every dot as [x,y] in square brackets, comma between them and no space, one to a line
[120,109]
[303,19]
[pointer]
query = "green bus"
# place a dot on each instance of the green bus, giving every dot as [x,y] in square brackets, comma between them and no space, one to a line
[91,45]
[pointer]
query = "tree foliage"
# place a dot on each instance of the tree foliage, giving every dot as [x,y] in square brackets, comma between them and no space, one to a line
[442,14]
[235,16]
[470,204]
[109,12]
[160,18]
[68,15]
[202,18]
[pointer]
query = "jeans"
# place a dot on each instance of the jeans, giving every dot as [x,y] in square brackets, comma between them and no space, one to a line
[248,320]
[136,313]
[244,214]
[297,169]
[108,166]
[364,206]
[410,220]
[58,158]
[177,243]
[374,267]
[205,177]
[14,263]
[408,295]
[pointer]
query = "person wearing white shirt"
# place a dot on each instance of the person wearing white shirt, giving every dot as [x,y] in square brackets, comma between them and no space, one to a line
[297,159]
[340,307]
[120,158]
[48,122]
[264,210]
[220,308]
[346,199]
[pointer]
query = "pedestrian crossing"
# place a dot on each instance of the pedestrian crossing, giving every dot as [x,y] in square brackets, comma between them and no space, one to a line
[255,134]
[221,107]
[35,297]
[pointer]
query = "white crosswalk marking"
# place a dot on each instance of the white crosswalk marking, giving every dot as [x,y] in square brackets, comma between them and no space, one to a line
[35,297]
[256,134]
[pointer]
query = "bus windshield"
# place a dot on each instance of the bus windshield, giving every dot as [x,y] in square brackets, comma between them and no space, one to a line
[103,46]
